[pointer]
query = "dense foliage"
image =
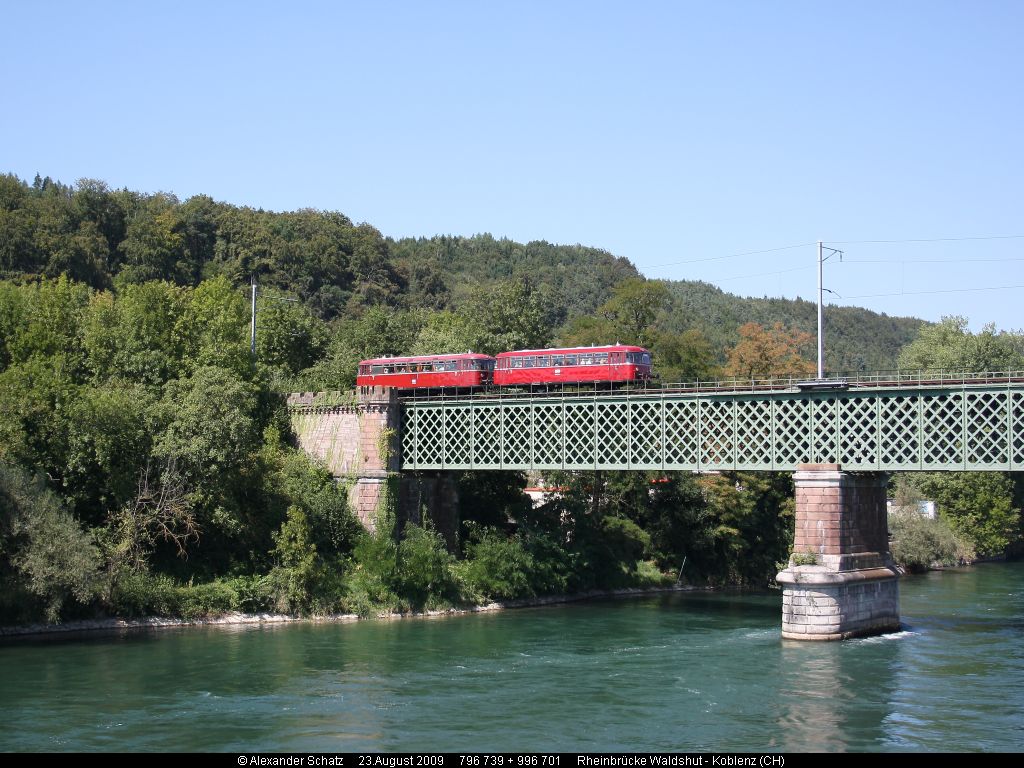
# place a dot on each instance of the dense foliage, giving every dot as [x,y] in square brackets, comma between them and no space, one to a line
[146,460]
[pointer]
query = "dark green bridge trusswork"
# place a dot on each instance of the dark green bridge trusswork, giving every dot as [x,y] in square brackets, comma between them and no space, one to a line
[977,425]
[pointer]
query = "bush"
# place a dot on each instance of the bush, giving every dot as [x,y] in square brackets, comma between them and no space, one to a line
[141,594]
[553,565]
[497,566]
[370,587]
[424,574]
[200,601]
[252,594]
[920,543]
[648,574]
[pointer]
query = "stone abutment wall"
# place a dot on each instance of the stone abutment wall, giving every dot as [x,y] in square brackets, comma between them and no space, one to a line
[356,436]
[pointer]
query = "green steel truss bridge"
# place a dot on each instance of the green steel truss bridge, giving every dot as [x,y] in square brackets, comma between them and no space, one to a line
[881,422]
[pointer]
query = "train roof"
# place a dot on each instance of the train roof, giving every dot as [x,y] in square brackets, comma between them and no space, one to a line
[575,350]
[424,358]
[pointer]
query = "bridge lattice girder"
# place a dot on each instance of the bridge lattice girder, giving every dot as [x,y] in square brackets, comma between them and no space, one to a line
[971,427]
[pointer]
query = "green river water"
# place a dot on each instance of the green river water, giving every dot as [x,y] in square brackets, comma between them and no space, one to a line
[679,672]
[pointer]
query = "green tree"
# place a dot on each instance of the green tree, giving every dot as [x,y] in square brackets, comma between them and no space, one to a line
[213,329]
[106,439]
[687,356]
[47,562]
[289,338]
[447,332]
[951,346]
[135,336]
[978,506]
[513,313]
[633,308]
[51,323]
[153,246]
[296,551]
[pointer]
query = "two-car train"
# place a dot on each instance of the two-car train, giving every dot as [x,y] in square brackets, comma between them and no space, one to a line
[614,364]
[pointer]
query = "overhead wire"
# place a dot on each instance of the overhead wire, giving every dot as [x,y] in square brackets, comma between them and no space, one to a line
[768,274]
[730,256]
[942,290]
[929,261]
[902,261]
[928,239]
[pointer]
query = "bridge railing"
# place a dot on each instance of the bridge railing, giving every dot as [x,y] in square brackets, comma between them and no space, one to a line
[853,380]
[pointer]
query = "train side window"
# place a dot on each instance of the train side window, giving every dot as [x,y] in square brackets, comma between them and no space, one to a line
[570,359]
[556,360]
[601,358]
[517,362]
[647,358]
[586,359]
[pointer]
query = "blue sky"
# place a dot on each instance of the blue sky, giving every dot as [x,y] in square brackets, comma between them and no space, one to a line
[672,133]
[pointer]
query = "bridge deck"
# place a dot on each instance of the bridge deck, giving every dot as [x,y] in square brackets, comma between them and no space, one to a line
[971,422]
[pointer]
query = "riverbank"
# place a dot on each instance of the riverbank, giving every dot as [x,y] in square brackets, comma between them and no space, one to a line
[246,619]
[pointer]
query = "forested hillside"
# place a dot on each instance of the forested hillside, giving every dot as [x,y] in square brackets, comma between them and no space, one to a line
[339,269]
[857,339]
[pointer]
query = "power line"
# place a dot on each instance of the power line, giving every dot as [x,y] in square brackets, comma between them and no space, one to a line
[929,261]
[730,256]
[930,239]
[946,290]
[768,274]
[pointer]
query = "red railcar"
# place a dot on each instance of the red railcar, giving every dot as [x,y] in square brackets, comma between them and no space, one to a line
[618,363]
[426,371]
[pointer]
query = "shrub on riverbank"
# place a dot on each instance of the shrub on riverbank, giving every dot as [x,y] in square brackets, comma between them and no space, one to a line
[919,542]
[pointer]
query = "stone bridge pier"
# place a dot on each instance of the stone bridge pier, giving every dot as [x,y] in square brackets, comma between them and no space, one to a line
[840,581]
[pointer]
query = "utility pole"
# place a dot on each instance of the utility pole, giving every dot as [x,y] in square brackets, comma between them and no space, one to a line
[821,309]
[821,320]
[252,323]
[252,327]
